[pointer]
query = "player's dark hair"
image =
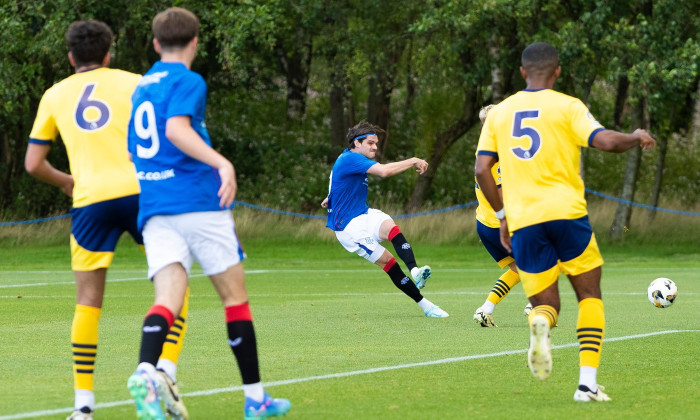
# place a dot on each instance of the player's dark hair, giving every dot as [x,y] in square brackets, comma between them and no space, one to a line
[88,41]
[360,131]
[540,59]
[175,27]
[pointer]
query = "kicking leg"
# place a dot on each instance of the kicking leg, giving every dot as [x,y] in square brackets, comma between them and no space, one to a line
[389,230]
[403,283]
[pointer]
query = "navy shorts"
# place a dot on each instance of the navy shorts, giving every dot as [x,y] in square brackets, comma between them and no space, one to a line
[97,227]
[491,238]
[539,247]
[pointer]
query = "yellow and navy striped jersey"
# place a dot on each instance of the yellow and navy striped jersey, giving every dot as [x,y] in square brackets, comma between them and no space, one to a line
[484,212]
[91,111]
[537,136]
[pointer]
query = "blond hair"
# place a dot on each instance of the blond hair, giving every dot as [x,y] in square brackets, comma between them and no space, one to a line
[484,112]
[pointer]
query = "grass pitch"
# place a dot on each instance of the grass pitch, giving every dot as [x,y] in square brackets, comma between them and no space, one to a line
[341,342]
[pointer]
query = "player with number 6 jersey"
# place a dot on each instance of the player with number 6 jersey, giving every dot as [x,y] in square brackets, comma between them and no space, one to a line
[90,110]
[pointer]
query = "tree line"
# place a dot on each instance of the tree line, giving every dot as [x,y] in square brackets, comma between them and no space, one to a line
[287,78]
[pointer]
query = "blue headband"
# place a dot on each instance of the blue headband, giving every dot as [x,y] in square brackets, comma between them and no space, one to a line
[363,136]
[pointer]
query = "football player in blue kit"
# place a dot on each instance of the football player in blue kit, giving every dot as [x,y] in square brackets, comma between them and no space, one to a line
[360,228]
[187,189]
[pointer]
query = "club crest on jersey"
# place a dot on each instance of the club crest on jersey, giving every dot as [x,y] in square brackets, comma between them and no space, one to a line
[153,78]
[592,118]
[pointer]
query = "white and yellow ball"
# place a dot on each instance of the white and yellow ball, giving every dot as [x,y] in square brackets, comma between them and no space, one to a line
[662,292]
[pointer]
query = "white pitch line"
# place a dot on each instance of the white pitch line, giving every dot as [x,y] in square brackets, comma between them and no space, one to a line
[338,375]
[355,270]
[302,295]
[118,280]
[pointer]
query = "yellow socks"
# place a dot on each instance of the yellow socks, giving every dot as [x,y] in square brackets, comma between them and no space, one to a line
[590,329]
[173,342]
[546,311]
[83,339]
[503,285]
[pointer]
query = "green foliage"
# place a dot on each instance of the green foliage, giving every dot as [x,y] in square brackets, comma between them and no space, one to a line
[432,55]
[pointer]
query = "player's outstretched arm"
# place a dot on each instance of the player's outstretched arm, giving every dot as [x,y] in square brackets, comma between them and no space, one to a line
[38,166]
[617,142]
[180,132]
[390,169]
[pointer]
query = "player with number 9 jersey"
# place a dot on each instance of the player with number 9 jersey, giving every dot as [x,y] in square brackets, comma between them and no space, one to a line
[539,150]
[173,183]
[90,110]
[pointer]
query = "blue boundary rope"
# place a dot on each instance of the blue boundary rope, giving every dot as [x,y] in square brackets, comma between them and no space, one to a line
[26,222]
[400,216]
[645,206]
[288,213]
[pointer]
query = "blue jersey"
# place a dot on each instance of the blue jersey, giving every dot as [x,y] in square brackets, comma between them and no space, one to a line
[347,192]
[171,181]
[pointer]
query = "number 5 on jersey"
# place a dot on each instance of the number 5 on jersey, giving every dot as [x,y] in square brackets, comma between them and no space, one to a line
[147,131]
[519,130]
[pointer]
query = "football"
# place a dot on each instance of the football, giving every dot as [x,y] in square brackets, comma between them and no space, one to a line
[662,292]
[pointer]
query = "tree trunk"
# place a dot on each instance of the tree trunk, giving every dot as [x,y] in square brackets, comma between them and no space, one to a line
[5,171]
[695,125]
[378,106]
[410,80]
[497,77]
[620,101]
[662,144]
[624,209]
[339,125]
[296,67]
[381,85]
[350,99]
[443,142]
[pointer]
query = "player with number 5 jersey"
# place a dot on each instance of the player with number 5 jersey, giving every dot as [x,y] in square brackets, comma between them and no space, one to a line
[536,135]
[531,119]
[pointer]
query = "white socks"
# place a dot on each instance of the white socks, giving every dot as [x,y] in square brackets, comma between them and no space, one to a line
[488,307]
[254,391]
[425,304]
[587,377]
[168,367]
[84,398]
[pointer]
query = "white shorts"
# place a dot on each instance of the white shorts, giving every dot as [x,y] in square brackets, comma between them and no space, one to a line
[208,237]
[361,235]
